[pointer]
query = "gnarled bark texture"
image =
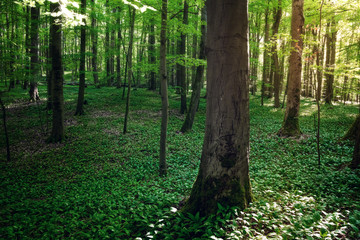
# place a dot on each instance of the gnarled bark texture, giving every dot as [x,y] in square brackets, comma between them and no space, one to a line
[224,170]
[291,121]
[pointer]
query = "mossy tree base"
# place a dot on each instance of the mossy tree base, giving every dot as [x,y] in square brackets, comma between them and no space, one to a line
[209,192]
[290,128]
[351,133]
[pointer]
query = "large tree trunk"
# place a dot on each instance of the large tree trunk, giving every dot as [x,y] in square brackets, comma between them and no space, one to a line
[277,76]
[130,73]
[57,133]
[34,53]
[291,121]
[196,86]
[80,102]
[224,172]
[164,91]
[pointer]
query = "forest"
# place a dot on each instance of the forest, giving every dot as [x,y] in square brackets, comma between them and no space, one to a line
[181,119]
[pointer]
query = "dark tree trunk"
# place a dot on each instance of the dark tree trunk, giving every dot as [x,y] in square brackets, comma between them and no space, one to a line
[196,86]
[130,73]
[356,156]
[182,67]
[291,121]
[80,102]
[8,155]
[27,47]
[164,91]
[94,38]
[223,176]
[34,53]
[57,133]
[118,49]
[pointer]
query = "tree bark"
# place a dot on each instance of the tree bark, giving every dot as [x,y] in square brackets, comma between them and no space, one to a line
[276,69]
[265,72]
[57,133]
[130,73]
[196,86]
[152,57]
[164,91]
[94,38]
[34,53]
[356,156]
[291,121]
[8,155]
[330,62]
[223,176]
[81,95]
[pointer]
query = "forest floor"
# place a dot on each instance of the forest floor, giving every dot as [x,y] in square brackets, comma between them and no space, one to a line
[102,184]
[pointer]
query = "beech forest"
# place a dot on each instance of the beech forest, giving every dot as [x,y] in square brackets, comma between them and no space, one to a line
[180,119]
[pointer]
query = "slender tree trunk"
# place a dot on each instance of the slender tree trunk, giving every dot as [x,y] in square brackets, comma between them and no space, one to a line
[277,18]
[27,47]
[164,91]
[130,73]
[196,86]
[330,62]
[182,67]
[34,54]
[291,121]
[265,59]
[118,58]
[57,133]
[223,176]
[94,38]
[81,95]
[152,57]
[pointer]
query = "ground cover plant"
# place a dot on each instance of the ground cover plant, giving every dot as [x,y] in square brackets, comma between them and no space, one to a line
[103,184]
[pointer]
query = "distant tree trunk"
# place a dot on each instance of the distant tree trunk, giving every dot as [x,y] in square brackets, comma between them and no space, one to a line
[181,75]
[118,58]
[164,91]
[107,47]
[80,103]
[223,176]
[196,86]
[265,59]
[255,53]
[291,121]
[152,55]
[34,53]
[330,62]
[57,133]
[277,76]
[130,73]
[94,38]
[27,47]
[49,69]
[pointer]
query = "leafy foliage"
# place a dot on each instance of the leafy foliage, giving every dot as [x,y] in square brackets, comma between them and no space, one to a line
[102,184]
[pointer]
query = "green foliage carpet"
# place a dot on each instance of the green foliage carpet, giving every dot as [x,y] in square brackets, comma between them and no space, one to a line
[102,184]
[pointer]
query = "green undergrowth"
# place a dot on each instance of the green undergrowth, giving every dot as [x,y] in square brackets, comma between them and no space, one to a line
[102,184]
